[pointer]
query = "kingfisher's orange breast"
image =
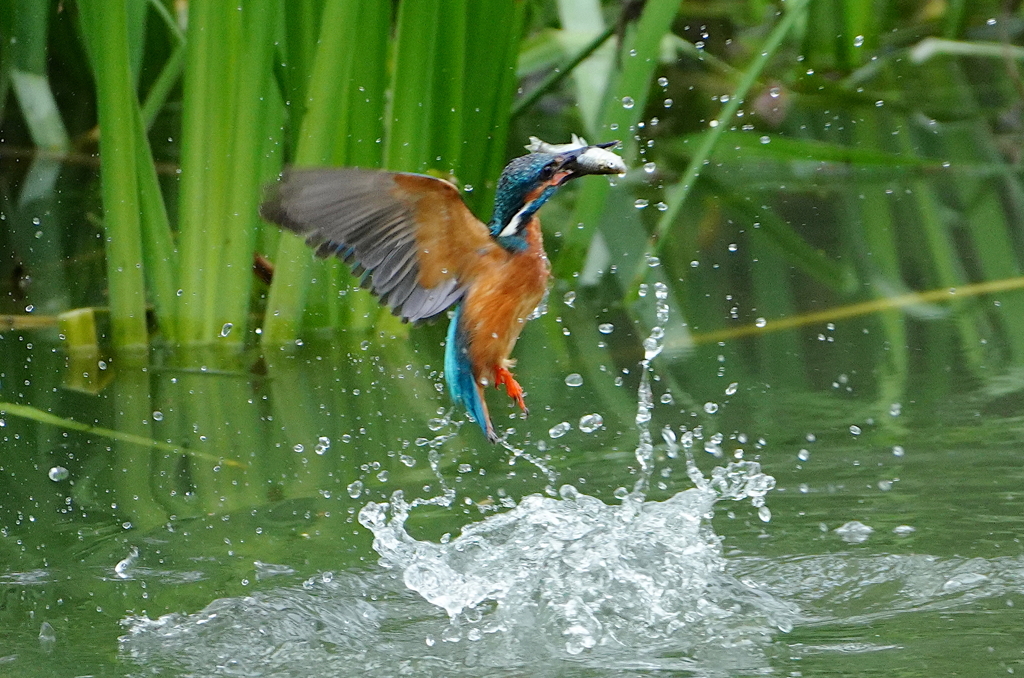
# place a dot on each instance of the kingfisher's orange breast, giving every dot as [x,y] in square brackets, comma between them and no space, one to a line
[503,292]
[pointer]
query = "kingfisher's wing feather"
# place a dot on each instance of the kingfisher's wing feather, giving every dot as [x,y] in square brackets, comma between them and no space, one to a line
[410,236]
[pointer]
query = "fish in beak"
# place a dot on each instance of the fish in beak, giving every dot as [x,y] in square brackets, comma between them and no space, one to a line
[581,158]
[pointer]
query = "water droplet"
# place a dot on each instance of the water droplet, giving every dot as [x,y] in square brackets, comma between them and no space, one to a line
[355,489]
[764,513]
[653,261]
[765,139]
[760,322]
[57,474]
[591,422]
[298,448]
[661,206]
[710,407]
[879,103]
[667,399]
[897,451]
[468,188]
[574,380]
[627,102]
[47,636]
[775,92]
[651,348]
[640,203]
[858,41]
[663,81]
[895,409]
[158,415]
[559,430]
[225,330]
[569,298]
[854,532]
[606,328]
[122,567]
[668,103]
[855,430]
[731,388]
[803,455]
[649,167]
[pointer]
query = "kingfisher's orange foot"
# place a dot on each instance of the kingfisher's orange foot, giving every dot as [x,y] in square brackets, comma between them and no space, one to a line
[515,391]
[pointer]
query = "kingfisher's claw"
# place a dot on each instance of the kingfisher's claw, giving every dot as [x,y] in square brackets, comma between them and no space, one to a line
[515,391]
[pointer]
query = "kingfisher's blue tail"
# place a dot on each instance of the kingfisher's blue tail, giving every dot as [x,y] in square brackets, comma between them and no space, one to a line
[458,372]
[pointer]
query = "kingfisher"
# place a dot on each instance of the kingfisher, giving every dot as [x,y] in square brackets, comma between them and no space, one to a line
[412,241]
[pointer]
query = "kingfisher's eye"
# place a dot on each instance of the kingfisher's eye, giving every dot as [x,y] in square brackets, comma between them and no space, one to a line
[547,172]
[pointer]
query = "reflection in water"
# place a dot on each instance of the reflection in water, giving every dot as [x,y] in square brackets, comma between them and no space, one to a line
[554,578]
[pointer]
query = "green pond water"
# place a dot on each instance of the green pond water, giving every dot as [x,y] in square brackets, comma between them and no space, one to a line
[251,555]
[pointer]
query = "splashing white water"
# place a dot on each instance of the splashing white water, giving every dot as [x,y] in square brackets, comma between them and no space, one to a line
[576,569]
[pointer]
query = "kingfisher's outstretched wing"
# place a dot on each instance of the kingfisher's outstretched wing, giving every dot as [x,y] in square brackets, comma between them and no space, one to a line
[409,237]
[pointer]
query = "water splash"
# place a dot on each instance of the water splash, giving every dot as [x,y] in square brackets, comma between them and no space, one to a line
[592,575]
[586,573]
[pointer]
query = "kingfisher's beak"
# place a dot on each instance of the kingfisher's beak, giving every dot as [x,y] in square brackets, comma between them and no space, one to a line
[595,159]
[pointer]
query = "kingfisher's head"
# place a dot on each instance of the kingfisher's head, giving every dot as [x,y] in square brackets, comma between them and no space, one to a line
[528,181]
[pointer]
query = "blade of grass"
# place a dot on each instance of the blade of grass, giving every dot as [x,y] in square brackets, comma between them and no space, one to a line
[491,58]
[675,196]
[808,259]
[592,78]
[34,414]
[317,142]
[929,48]
[253,82]
[552,79]
[170,74]
[739,145]
[208,105]
[875,226]
[450,80]
[414,85]
[632,84]
[911,299]
[106,25]
[158,247]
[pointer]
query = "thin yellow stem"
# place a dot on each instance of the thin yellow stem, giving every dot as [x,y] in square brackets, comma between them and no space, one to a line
[863,308]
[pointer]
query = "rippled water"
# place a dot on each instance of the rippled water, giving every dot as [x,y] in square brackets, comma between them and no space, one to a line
[773,533]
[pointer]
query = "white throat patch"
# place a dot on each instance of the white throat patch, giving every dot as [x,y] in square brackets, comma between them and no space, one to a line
[515,224]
